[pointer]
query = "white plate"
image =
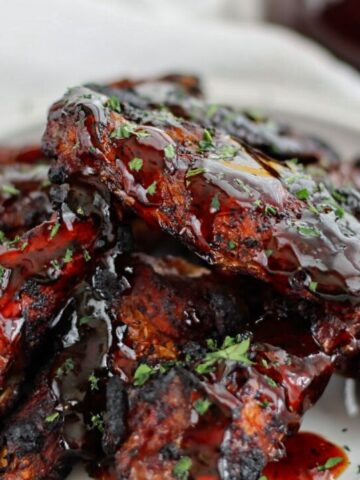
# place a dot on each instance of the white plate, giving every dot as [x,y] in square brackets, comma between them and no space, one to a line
[338,408]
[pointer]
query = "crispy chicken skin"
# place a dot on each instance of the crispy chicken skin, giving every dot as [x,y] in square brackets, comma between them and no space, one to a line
[235,207]
[230,421]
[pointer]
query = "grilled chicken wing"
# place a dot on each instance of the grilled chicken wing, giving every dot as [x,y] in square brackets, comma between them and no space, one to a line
[235,207]
[167,382]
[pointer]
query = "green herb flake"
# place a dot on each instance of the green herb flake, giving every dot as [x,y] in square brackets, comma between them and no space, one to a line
[195,171]
[114,104]
[271,382]
[182,467]
[330,463]
[257,203]
[86,255]
[124,131]
[215,203]
[54,231]
[270,210]
[211,110]
[94,382]
[264,404]
[339,212]
[202,405]
[151,189]
[231,349]
[136,164]
[84,320]
[269,252]
[338,196]
[169,151]
[347,448]
[231,245]
[303,194]
[68,255]
[80,211]
[142,374]
[207,142]
[23,246]
[68,365]
[141,134]
[313,286]
[308,231]
[97,422]
[10,190]
[228,151]
[52,417]
[263,477]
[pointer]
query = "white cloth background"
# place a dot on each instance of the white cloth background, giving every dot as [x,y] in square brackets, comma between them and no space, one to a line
[46,46]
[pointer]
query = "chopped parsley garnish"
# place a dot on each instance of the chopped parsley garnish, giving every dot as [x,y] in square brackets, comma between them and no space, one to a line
[169,151]
[142,374]
[228,151]
[94,382]
[86,255]
[231,349]
[330,463]
[257,203]
[141,133]
[23,246]
[303,194]
[211,110]
[97,422]
[271,382]
[339,212]
[151,189]
[182,467]
[243,186]
[231,245]
[68,256]
[269,252]
[10,190]
[84,320]
[338,196]
[54,231]
[308,231]
[264,404]
[52,417]
[2,272]
[207,142]
[136,164]
[195,171]
[263,477]
[313,286]
[264,362]
[80,211]
[124,131]
[215,203]
[202,405]
[114,104]
[270,210]
[67,367]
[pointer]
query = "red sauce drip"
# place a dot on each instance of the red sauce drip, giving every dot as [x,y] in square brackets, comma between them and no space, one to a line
[305,453]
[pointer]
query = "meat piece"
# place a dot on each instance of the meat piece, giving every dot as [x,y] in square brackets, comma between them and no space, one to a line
[28,154]
[252,127]
[236,208]
[228,418]
[38,272]
[24,198]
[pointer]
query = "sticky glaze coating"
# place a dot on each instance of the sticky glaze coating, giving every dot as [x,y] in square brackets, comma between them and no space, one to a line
[179,94]
[38,272]
[160,312]
[236,208]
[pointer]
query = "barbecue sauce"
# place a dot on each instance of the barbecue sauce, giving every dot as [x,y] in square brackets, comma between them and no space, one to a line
[307,455]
